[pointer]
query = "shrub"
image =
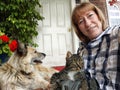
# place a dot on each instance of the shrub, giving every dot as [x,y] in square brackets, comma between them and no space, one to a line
[18,19]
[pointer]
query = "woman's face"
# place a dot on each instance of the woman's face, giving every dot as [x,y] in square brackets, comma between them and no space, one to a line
[90,25]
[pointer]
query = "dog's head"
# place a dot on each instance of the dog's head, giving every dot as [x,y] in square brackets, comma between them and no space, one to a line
[25,58]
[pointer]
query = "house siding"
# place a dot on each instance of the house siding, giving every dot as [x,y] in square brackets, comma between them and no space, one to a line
[103,6]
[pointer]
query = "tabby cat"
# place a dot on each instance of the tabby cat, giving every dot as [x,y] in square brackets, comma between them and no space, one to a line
[72,77]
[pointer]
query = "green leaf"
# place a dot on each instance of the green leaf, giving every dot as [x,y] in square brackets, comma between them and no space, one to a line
[0,41]
[0,51]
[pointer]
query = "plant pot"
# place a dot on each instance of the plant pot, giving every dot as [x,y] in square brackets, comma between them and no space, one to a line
[3,58]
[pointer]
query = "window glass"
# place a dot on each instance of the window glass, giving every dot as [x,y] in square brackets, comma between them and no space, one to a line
[77,1]
[113,14]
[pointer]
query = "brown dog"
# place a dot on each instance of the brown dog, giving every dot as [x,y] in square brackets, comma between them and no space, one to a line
[24,70]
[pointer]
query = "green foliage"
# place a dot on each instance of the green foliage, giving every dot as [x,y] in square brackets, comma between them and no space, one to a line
[18,19]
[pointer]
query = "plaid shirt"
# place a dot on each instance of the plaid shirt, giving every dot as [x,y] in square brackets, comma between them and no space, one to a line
[102,58]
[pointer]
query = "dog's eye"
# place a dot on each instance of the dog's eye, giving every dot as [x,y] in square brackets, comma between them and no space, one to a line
[37,61]
[35,51]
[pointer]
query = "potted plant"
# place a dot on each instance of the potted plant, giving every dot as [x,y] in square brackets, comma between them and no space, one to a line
[19,19]
[7,46]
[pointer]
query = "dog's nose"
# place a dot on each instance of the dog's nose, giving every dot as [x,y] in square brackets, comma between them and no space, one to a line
[43,54]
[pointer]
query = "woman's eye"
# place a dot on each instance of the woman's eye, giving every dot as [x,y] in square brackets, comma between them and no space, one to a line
[90,15]
[80,21]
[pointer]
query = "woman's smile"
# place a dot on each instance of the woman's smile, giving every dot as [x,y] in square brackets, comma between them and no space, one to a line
[90,25]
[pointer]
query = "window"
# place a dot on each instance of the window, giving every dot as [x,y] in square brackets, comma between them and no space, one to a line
[113,14]
[77,1]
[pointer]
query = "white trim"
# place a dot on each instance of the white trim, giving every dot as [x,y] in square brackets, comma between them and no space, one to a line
[75,38]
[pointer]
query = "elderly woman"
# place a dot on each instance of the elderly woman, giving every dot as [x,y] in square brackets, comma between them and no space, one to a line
[100,45]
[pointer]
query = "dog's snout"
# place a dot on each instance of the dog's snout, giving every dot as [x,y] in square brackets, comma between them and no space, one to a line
[43,54]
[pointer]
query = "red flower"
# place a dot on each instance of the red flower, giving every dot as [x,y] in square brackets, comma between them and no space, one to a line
[4,38]
[13,45]
[112,2]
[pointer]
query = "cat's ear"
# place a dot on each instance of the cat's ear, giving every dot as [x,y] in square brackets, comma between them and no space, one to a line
[69,54]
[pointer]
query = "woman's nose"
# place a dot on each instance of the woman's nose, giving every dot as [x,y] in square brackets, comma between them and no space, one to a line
[87,22]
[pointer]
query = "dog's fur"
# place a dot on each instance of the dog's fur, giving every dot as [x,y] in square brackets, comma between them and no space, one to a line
[24,70]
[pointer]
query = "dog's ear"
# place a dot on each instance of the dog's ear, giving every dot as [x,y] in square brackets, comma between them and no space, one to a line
[22,49]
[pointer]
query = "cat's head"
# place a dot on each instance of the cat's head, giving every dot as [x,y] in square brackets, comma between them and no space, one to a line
[74,62]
